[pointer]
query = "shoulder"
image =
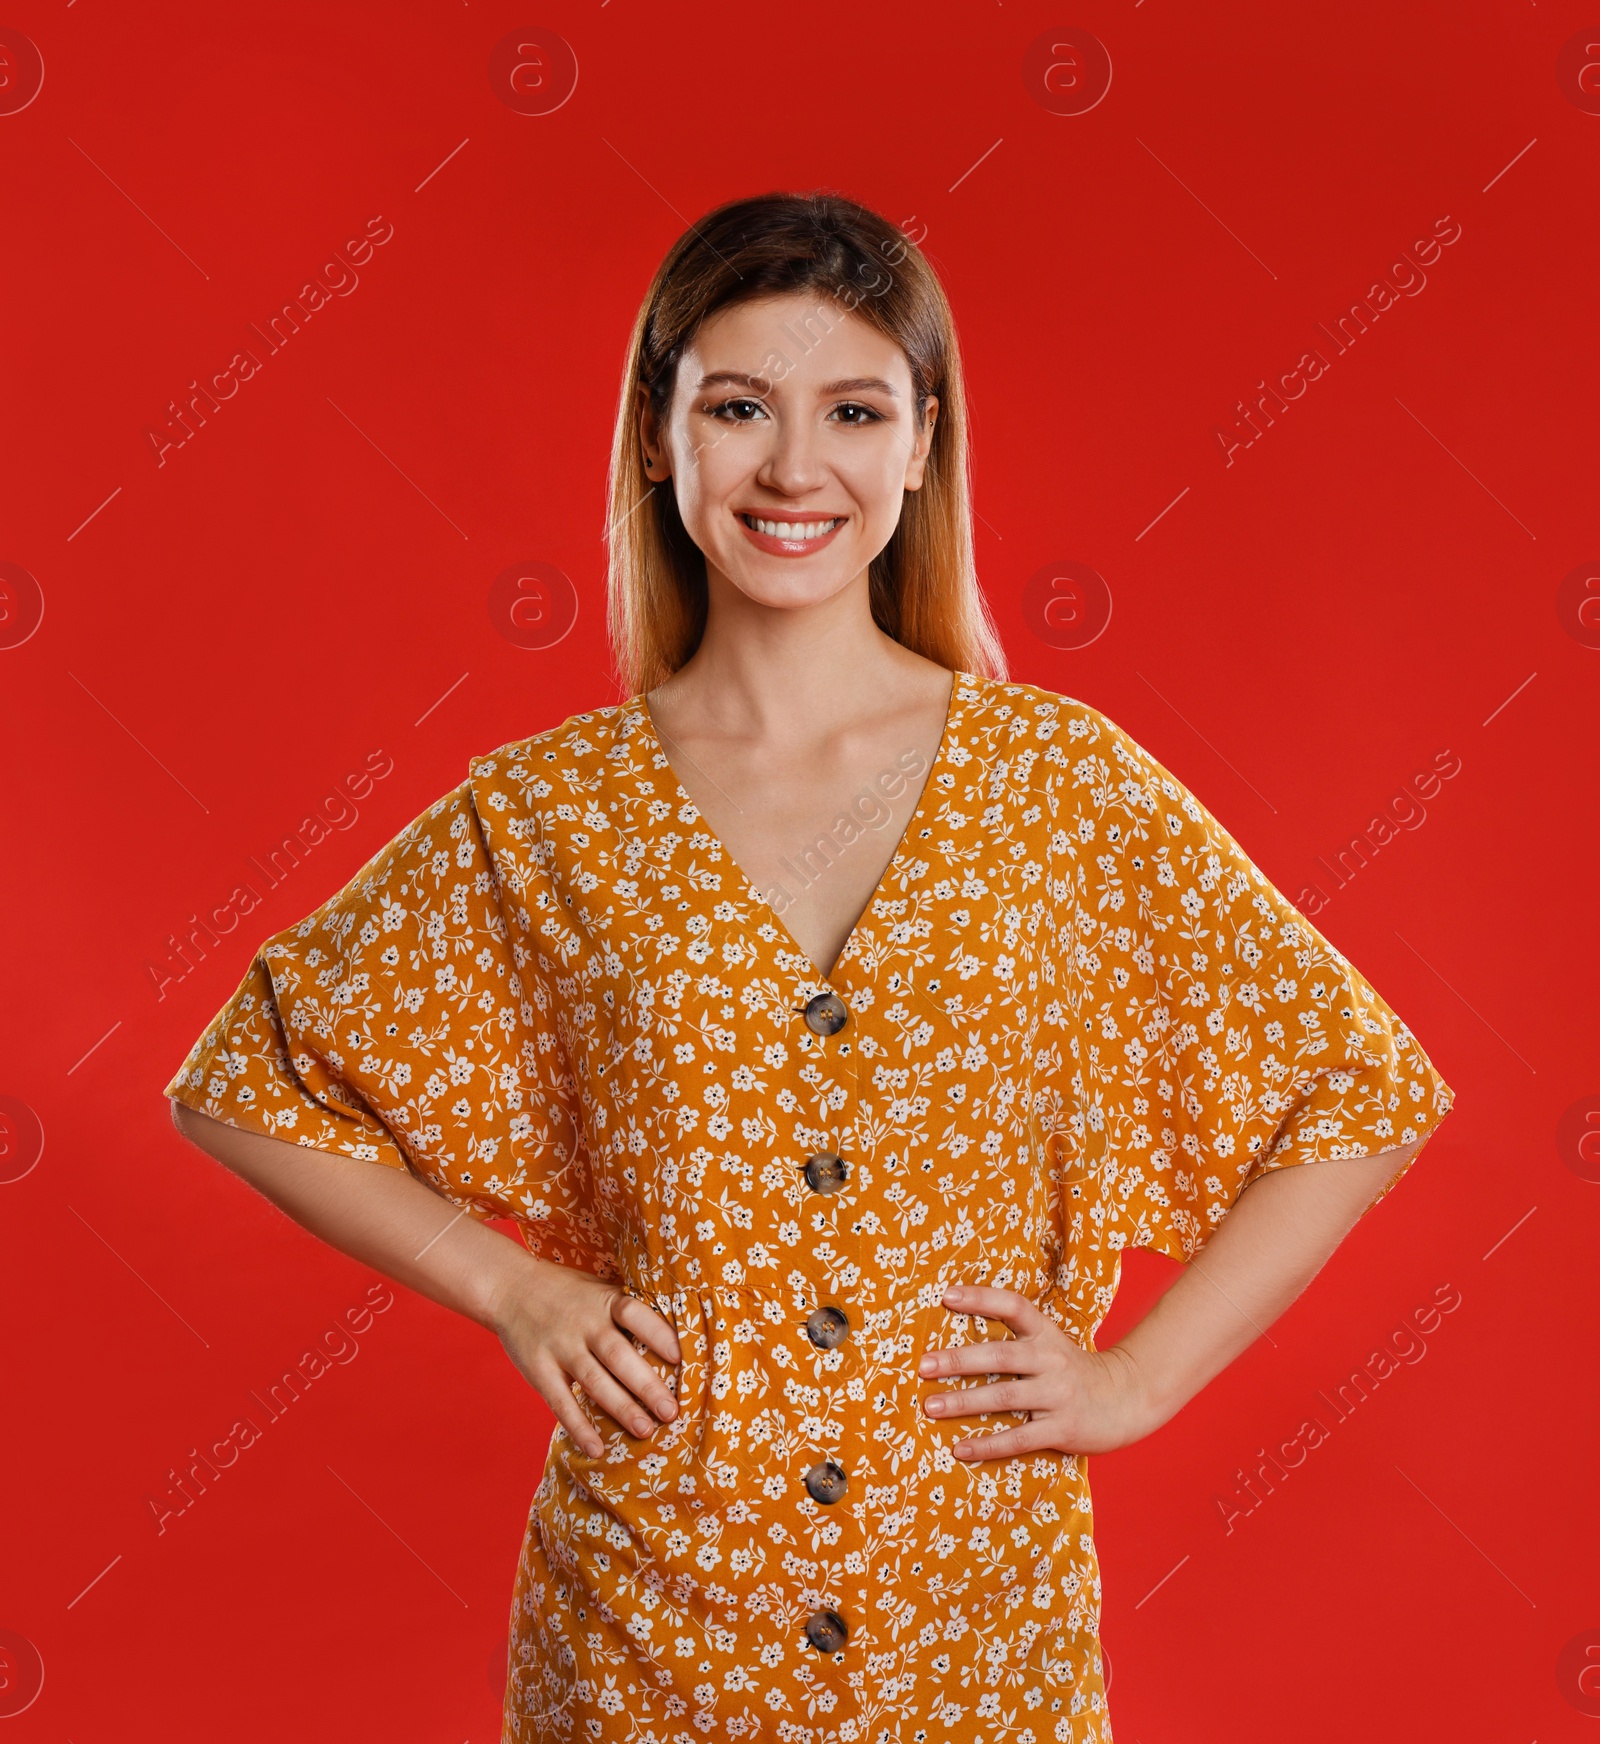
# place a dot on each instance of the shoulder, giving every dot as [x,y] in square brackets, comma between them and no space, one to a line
[1011,712]
[561,765]
[581,739]
[1066,748]
[550,783]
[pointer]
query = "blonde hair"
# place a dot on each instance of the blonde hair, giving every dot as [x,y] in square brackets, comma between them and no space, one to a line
[923,585]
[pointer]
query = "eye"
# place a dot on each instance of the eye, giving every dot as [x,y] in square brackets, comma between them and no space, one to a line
[726,411]
[863,414]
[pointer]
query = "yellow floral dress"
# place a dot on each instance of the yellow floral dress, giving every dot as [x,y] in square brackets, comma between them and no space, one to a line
[1074,1018]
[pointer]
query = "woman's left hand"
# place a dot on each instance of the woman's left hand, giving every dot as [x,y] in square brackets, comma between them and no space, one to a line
[1079,1401]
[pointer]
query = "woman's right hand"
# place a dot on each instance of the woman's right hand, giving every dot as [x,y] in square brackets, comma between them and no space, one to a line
[559,1325]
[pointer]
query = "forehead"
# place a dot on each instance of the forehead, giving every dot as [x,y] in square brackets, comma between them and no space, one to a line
[800,340]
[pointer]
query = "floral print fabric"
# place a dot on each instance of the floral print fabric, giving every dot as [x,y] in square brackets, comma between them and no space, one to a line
[1079,1020]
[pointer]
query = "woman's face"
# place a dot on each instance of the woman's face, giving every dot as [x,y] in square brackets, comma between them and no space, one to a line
[791,441]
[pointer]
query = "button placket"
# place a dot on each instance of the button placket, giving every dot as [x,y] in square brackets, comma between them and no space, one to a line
[825,1172]
[858,1454]
[826,1480]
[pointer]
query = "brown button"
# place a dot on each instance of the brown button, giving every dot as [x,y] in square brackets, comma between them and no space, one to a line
[827,1014]
[825,1172]
[825,1631]
[827,1328]
[826,1483]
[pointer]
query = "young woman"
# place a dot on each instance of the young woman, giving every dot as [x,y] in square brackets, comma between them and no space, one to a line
[829,1016]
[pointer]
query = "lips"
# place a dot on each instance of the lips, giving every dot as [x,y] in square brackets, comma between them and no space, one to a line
[794,537]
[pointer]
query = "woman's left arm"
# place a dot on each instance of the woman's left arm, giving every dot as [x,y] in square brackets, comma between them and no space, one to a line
[1274,1240]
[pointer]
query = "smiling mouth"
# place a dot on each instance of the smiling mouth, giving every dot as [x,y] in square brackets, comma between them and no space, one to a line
[792,532]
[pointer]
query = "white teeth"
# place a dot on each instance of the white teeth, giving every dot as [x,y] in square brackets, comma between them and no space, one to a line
[792,529]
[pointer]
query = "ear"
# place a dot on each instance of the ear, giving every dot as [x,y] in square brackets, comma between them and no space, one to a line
[659,463]
[917,463]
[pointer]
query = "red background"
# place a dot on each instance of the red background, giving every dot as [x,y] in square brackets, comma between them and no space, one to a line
[1297,636]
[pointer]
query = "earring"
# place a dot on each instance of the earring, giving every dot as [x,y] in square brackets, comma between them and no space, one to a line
[648,463]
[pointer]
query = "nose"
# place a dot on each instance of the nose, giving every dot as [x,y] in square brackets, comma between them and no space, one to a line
[793,466]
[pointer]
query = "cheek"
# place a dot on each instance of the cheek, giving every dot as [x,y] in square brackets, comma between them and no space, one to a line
[876,481]
[708,482]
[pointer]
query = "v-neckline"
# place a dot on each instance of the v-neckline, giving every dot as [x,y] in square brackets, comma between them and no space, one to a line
[941,757]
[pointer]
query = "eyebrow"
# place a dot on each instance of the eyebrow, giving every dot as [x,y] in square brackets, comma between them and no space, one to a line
[855,384]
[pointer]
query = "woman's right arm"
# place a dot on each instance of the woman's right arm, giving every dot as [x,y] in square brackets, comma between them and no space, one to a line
[558,1324]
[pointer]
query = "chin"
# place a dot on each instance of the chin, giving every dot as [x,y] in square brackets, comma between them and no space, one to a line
[790,591]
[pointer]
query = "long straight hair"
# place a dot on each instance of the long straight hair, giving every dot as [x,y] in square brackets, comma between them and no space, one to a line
[923,585]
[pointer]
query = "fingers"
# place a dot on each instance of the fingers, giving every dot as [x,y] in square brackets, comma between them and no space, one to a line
[976,1401]
[1006,1444]
[551,1386]
[581,1332]
[645,1324]
[1006,1306]
[636,1375]
[611,1396]
[993,1356]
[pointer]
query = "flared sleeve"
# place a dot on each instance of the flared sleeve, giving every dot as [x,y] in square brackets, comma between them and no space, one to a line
[405,1023]
[1214,1033]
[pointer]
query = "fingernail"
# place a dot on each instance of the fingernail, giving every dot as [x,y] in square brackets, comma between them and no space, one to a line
[929,1365]
[935,1406]
[641,1425]
[953,1294]
[668,1412]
